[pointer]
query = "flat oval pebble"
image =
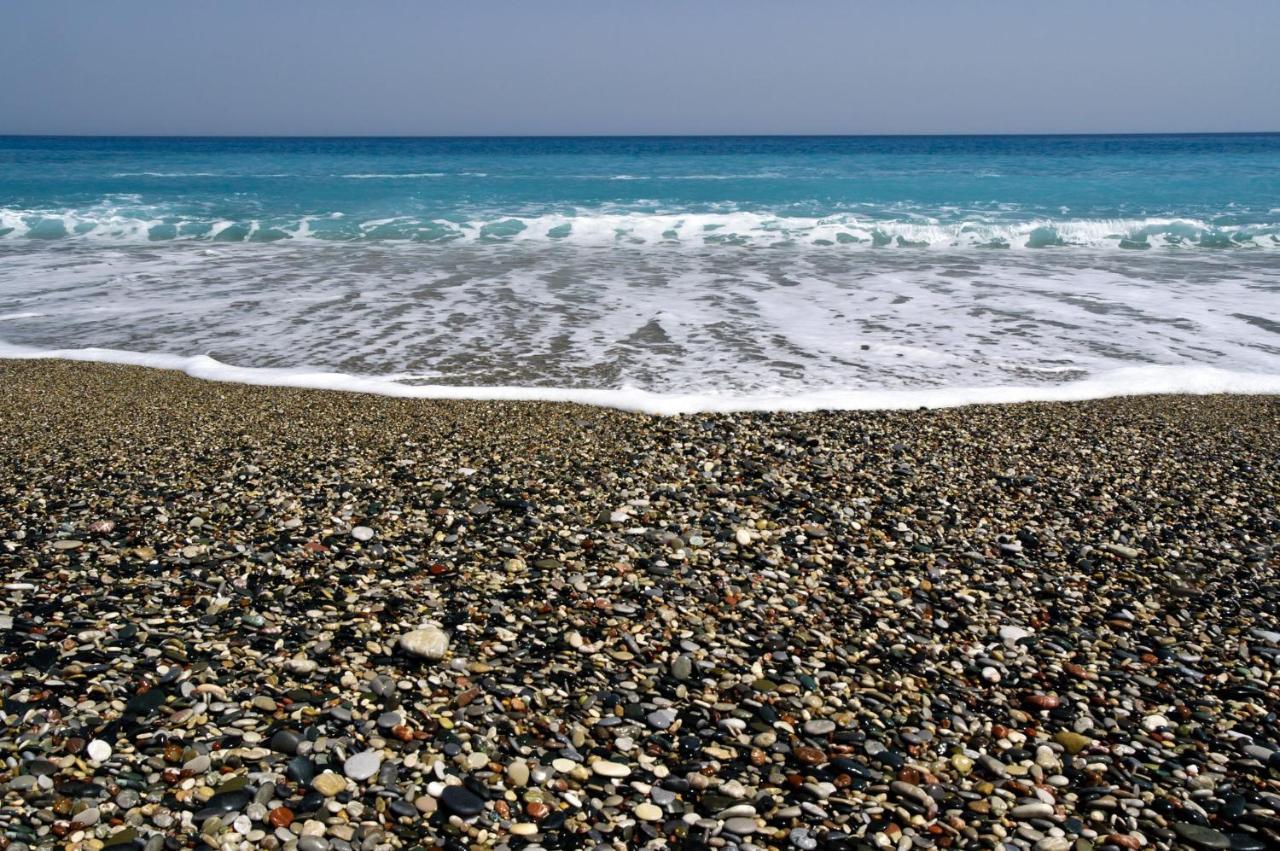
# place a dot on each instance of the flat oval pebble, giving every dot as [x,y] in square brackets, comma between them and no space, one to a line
[647,812]
[362,766]
[605,768]
[1030,811]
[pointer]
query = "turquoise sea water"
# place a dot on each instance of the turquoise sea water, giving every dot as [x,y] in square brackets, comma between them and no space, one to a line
[767,269]
[1019,191]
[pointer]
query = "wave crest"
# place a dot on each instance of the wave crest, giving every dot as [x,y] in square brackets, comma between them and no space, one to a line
[601,228]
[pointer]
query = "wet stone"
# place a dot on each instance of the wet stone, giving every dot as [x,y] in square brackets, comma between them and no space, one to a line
[819,727]
[1202,836]
[458,800]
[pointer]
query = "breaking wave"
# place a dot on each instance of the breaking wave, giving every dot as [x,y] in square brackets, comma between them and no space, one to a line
[603,228]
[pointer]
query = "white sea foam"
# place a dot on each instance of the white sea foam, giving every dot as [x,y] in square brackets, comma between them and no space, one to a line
[1131,381]
[711,327]
[845,231]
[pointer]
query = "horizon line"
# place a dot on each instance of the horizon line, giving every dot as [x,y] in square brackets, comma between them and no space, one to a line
[640,135]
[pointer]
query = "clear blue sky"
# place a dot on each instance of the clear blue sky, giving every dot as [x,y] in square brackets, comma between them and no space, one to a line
[428,67]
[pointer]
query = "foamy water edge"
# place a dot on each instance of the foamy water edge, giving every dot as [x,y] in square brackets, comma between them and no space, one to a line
[1148,380]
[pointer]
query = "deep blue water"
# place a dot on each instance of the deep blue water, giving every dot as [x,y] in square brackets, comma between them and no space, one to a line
[665,273]
[1217,190]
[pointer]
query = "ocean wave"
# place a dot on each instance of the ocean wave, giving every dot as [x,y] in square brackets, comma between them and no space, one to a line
[841,231]
[393,175]
[182,174]
[1127,381]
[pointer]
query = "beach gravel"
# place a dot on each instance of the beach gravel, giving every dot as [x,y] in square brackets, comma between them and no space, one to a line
[241,617]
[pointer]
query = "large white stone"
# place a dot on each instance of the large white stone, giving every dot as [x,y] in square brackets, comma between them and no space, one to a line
[428,643]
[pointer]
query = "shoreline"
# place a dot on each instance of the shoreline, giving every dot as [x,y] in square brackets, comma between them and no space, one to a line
[1146,380]
[274,617]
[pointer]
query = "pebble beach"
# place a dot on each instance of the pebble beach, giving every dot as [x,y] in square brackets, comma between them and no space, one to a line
[243,617]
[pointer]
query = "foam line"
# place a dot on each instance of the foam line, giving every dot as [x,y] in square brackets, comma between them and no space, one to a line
[1127,381]
[840,231]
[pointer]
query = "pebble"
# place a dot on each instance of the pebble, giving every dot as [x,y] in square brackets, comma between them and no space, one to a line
[606,768]
[819,727]
[361,766]
[518,773]
[99,751]
[647,812]
[891,629]
[328,784]
[427,643]
[1201,836]
[458,800]
[1031,811]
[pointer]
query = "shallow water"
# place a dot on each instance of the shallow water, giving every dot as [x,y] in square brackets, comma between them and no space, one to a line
[662,274]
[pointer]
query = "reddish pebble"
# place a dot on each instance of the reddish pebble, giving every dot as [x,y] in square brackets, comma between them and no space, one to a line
[280,817]
[1043,701]
[809,756]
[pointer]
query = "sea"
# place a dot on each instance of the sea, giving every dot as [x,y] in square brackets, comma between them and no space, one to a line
[661,274]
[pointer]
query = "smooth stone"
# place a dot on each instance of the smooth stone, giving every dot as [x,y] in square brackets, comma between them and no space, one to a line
[661,719]
[426,643]
[286,741]
[458,800]
[648,812]
[1011,634]
[741,826]
[682,667]
[362,766]
[199,764]
[819,727]
[328,784]
[362,533]
[301,666]
[1072,742]
[1205,837]
[518,773]
[301,769]
[605,768]
[99,751]
[662,797]
[802,839]
[1030,811]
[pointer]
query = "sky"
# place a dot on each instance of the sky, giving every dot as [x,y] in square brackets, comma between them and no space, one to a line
[439,67]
